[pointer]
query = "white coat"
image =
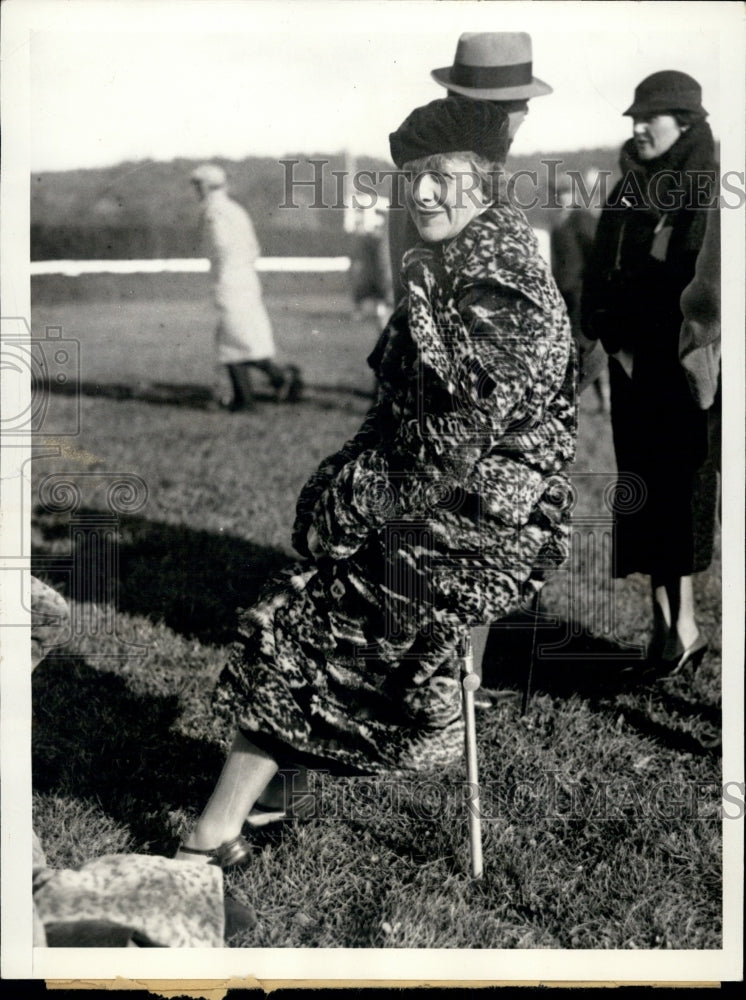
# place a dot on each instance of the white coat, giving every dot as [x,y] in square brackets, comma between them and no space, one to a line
[244,332]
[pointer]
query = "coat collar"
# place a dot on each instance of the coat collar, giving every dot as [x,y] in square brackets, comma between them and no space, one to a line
[674,171]
[498,246]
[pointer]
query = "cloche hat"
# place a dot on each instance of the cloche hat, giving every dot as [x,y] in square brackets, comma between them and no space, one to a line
[668,90]
[449,125]
[492,66]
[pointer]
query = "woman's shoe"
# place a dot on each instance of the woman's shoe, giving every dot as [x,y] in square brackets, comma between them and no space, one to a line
[692,655]
[229,855]
[261,816]
[303,808]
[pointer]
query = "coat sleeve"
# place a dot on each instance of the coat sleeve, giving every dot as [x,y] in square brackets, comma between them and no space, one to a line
[252,243]
[597,310]
[222,233]
[517,361]
[232,234]
[365,438]
[699,337]
[567,262]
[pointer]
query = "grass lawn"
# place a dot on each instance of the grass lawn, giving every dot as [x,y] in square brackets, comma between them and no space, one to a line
[601,799]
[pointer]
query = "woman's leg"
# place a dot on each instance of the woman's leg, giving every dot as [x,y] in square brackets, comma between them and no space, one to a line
[673,604]
[246,773]
[243,392]
[286,788]
[286,381]
[272,370]
[601,388]
[661,619]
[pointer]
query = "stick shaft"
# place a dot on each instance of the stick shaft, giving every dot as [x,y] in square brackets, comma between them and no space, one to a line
[472,771]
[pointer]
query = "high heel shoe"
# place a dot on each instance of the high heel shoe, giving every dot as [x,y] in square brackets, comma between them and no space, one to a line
[229,855]
[693,655]
[302,808]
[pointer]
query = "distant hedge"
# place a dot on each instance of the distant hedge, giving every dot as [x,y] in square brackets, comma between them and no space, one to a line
[148,209]
[133,242]
[49,289]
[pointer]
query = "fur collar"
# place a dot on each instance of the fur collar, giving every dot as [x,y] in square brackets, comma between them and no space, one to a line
[498,246]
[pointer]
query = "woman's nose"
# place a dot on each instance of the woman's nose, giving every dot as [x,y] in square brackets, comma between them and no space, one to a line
[427,189]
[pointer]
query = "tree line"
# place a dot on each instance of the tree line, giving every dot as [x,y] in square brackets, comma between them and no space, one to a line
[147,209]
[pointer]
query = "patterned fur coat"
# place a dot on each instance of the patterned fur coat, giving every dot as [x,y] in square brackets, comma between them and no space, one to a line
[446,510]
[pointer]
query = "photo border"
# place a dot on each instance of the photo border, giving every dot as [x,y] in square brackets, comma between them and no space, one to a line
[354,966]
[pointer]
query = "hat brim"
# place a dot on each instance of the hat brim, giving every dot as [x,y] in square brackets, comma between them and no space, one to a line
[537,88]
[655,108]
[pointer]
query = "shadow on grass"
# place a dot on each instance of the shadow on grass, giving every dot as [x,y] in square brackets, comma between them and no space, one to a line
[569,661]
[560,659]
[194,396]
[94,738]
[192,581]
[199,397]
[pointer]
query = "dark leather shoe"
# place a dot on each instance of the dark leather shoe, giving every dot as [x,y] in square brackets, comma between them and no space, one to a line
[229,855]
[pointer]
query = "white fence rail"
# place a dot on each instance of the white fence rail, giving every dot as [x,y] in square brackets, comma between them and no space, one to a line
[200,265]
[74,268]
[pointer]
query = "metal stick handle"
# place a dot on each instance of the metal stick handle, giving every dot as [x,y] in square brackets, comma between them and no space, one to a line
[470,682]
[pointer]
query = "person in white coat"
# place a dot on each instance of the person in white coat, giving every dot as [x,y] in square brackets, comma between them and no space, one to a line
[244,335]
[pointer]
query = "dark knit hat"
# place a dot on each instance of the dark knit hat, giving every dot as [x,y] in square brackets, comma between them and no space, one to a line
[667,91]
[450,125]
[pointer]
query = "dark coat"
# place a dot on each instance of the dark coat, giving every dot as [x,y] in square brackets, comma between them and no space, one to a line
[645,253]
[571,247]
[571,243]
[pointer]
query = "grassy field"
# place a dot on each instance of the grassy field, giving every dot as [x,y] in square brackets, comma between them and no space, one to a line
[601,798]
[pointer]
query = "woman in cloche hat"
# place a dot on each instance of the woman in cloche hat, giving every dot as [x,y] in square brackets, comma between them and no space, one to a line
[495,66]
[445,511]
[646,248]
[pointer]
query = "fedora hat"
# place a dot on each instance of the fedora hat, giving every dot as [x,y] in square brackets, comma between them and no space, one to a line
[492,66]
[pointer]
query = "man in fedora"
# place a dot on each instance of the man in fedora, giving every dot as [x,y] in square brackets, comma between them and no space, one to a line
[493,66]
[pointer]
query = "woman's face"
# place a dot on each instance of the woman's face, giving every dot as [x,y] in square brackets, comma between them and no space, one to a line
[654,134]
[442,201]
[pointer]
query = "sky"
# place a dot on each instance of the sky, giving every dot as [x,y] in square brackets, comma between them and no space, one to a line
[113,81]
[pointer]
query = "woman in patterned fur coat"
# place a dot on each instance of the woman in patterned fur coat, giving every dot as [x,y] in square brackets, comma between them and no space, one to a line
[446,510]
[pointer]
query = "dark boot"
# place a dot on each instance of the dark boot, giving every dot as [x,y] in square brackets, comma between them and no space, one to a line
[286,381]
[243,391]
[290,389]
